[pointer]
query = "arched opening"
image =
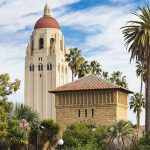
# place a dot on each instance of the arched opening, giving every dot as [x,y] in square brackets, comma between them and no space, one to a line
[49,66]
[31,68]
[40,67]
[52,40]
[41,43]
[32,45]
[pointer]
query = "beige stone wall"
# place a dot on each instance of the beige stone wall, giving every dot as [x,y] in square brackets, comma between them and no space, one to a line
[103,115]
[122,98]
[122,113]
[94,107]
[122,106]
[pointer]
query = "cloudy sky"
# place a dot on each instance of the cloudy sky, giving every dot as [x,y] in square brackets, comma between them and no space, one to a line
[91,25]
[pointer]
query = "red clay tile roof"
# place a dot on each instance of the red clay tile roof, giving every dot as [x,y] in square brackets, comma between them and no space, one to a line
[47,22]
[90,82]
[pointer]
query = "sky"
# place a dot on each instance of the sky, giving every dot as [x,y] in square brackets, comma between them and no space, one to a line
[91,25]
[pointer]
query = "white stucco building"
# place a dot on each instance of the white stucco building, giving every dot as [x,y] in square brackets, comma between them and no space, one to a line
[45,66]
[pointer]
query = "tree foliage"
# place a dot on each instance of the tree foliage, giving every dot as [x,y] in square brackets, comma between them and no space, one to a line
[6,87]
[121,135]
[137,103]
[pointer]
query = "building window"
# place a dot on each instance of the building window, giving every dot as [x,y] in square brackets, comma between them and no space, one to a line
[40,58]
[40,67]
[41,43]
[49,66]
[85,112]
[52,40]
[79,113]
[40,75]
[92,112]
[32,45]
[31,68]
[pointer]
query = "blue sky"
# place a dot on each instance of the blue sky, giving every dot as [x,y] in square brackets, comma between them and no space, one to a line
[91,25]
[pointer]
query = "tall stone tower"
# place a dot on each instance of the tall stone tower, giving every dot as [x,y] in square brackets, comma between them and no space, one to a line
[45,66]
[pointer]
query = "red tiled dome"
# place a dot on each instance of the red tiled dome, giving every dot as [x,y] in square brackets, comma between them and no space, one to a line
[47,22]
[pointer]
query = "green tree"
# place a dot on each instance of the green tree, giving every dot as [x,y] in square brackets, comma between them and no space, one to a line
[17,135]
[121,135]
[79,136]
[74,60]
[95,68]
[117,78]
[137,39]
[25,112]
[84,69]
[137,103]
[6,87]
[3,125]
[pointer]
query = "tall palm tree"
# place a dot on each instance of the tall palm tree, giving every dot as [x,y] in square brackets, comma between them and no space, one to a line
[95,68]
[137,39]
[84,69]
[25,112]
[117,78]
[121,135]
[74,60]
[137,103]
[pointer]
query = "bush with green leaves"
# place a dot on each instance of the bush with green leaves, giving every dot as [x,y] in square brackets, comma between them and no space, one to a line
[80,136]
[142,144]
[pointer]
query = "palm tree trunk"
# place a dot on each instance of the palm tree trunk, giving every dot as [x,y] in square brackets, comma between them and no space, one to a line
[141,84]
[147,119]
[138,120]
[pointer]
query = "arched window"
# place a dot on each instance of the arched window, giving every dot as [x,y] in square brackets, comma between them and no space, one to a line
[31,68]
[41,43]
[40,67]
[49,66]
[52,40]
[32,45]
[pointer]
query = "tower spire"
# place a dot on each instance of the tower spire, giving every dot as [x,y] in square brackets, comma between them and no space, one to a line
[46,10]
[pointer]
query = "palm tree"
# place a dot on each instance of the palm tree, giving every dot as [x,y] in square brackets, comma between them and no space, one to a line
[74,60]
[137,103]
[50,133]
[140,71]
[25,112]
[137,39]
[105,75]
[84,69]
[17,136]
[121,138]
[117,78]
[95,68]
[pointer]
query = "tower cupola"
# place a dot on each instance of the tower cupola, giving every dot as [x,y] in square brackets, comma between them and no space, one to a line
[47,21]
